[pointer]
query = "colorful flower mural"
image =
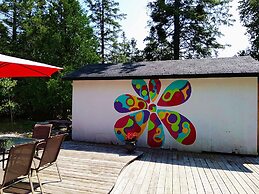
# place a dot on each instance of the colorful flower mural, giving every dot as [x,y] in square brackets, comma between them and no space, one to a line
[143,111]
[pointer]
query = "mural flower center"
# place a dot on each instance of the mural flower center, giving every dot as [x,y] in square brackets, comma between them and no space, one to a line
[144,111]
[152,108]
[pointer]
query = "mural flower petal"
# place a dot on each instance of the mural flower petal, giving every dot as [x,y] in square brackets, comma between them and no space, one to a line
[128,103]
[141,89]
[134,123]
[156,134]
[176,93]
[180,128]
[154,88]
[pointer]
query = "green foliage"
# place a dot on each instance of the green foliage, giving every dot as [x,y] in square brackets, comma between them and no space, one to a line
[105,16]
[185,29]
[125,51]
[8,106]
[55,32]
[4,38]
[7,86]
[249,15]
[13,14]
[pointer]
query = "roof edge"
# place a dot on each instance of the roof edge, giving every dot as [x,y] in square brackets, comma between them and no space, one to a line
[218,75]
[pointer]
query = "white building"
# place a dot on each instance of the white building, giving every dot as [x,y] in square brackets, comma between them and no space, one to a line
[195,105]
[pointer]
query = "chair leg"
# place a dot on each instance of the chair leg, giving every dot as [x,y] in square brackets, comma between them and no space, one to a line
[3,159]
[31,184]
[58,172]
[2,191]
[41,188]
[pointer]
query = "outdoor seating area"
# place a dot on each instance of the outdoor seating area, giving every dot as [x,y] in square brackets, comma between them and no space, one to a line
[28,155]
[84,168]
[102,168]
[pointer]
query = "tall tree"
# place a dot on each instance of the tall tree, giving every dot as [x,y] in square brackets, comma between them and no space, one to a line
[185,29]
[105,15]
[249,15]
[56,32]
[61,35]
[12,14]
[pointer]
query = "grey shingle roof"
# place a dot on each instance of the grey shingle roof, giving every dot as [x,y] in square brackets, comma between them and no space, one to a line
[220,67]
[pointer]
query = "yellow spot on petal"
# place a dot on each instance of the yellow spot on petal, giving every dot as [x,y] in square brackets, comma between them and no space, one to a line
[185,130]
[184,91]
[139,116]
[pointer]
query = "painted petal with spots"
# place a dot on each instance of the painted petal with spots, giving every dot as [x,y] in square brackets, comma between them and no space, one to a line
[141,89]
[178,126]
[154,88]
[128,103]
[176,93]
[156,134]
[134,123]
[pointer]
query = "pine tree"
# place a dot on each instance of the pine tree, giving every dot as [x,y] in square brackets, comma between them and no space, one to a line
[105,16]
[249,15]
[55,32]
[125,51]
[185,29]
[4,39]
[136,55]
[12,14]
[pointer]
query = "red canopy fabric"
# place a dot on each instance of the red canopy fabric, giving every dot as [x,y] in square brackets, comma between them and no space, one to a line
[12,67]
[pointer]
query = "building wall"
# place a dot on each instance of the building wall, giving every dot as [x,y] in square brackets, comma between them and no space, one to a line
[223,112]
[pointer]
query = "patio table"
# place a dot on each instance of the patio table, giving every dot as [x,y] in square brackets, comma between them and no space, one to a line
[6,142]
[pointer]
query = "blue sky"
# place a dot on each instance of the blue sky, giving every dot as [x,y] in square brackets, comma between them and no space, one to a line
[135,25]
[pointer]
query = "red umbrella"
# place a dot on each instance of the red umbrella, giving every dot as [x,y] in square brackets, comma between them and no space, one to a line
[12,67]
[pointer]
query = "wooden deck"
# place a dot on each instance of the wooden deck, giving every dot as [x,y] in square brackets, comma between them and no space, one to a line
[85,168]
[93,168]
[163,171]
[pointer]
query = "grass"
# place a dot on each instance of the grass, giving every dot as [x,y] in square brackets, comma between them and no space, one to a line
[19,126]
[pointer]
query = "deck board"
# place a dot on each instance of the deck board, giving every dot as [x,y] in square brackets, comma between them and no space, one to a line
[141,175]
[196,175]
[147,179]
[190,179]
[169,175]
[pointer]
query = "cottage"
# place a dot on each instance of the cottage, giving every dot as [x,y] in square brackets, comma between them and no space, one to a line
[194,105]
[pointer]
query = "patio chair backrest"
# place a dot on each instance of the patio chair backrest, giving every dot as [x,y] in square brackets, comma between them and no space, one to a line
[42,131]
[19,162]
[51,151]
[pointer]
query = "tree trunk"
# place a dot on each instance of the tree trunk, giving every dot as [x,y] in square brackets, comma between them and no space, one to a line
[14,27]
[102,32]
[11,111]
[176,36]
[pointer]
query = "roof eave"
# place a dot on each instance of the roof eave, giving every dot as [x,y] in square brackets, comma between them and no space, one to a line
[212,75]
